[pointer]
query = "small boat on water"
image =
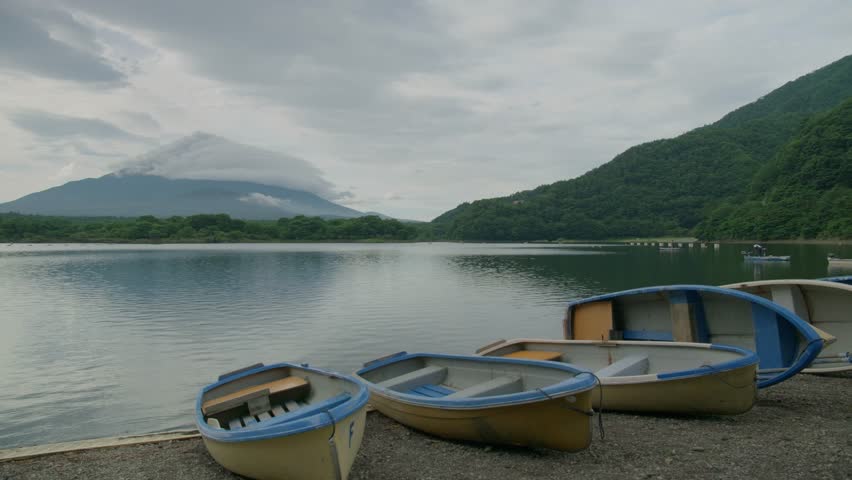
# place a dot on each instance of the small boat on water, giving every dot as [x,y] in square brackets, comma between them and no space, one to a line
[652,377]
[827,306]
[485,399]
[835,261]
[785,343]
[283,421]
[759,253]
[846,279]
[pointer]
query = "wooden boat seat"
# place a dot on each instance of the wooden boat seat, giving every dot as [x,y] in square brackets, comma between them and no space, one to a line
[294,385]
[495,386]
[535,355]
[632,365]
[432,374]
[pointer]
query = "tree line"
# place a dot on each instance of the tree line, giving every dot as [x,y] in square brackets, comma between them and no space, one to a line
[213,228]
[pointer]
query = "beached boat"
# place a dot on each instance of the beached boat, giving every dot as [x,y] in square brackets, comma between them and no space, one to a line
[699,313]
[283,421]
[652,377]
[485,399]
[825,305]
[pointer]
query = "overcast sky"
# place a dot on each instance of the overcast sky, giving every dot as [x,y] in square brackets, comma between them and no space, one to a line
[407,108]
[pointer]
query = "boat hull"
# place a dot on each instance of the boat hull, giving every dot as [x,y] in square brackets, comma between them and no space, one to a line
[562,423]
[307,455]
[726,393]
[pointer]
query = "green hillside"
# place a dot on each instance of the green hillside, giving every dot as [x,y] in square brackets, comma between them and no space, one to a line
[684,185]
[804,192]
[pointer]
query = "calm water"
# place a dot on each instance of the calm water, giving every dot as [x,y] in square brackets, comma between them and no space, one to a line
[102,340]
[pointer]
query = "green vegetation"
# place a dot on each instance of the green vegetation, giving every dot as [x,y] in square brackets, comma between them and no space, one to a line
[776,168]
[804,192]
[198,228]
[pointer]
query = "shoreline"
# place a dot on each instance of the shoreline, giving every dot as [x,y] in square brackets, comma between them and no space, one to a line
[798,429]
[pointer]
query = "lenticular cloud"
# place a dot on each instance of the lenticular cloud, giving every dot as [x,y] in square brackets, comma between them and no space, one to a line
[202,156]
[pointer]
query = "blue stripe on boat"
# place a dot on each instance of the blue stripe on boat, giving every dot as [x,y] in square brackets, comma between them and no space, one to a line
[775,340]
[431,390]
[646,335]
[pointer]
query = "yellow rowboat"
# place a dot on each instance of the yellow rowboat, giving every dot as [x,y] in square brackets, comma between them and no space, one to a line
[827,306]
[652,377]
[785,343]
[485,399]
[283,421]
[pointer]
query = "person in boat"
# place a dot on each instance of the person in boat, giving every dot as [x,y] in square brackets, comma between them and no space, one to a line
[758,250]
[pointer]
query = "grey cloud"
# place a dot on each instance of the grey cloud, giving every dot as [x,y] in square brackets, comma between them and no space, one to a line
[142,120]
[27,44]
[53,126]
[202,156]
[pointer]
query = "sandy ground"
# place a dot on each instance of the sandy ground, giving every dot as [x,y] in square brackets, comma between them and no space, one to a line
[799,429]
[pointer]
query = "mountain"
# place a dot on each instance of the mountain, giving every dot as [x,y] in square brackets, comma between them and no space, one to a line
[136,195]
[803,192]
[198,174]
[675,186]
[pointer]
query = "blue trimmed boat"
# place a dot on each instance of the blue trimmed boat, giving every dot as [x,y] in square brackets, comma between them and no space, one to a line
[652,377]
[785,343]
[283,421]
[847,279]
[826,306]
[485,399]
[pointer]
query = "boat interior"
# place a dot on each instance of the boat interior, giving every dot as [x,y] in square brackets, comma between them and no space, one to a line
[272,396]
[611,359]
[825,306]
[455,378]
[688,316]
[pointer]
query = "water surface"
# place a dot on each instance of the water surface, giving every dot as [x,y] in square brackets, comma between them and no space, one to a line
[103,340]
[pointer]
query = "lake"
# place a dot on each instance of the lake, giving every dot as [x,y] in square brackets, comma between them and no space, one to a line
[104,340]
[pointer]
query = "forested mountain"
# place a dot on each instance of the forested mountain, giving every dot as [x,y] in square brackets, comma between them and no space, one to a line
[803,192]
[692,183]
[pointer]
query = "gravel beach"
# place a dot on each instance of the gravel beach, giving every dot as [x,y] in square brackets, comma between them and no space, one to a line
[799,429]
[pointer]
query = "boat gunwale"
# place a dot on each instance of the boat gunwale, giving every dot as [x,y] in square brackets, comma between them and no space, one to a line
[747,358]
[319,419]
[813,342]
[582,381]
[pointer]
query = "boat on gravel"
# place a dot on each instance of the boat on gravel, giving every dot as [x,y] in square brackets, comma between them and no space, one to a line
[485,399]
[827,306]
[283,421]
[785,343]
[652,377]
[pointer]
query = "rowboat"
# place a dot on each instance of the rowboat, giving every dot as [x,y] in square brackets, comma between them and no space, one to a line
[283,421]
[847,279]
[839,262]
[699,313]
[827,306]
[766,258]
[485,399]
[652,377]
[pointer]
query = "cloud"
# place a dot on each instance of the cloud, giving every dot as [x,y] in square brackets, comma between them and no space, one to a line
[202,156]
[54,126]
[51,43]
[445,101]
[265,200]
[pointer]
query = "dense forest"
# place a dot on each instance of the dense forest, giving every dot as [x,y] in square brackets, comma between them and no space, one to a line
[199,228]
[776,168]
